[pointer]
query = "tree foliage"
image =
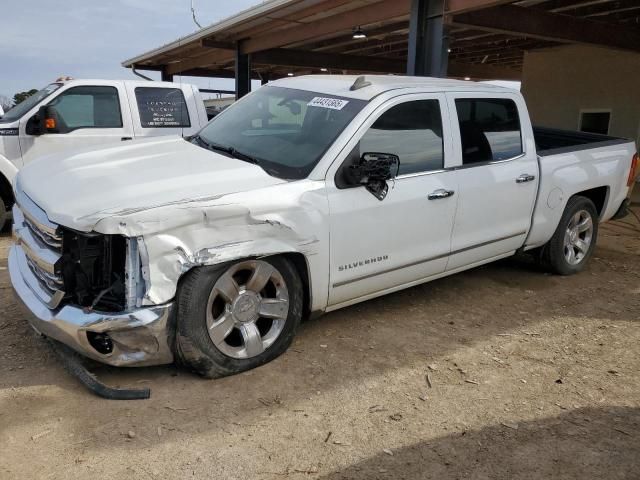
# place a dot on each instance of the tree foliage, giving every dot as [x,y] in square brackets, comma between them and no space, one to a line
[5,102]
[22,96]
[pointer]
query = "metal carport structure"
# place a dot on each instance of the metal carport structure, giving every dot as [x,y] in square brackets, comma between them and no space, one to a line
[480,39]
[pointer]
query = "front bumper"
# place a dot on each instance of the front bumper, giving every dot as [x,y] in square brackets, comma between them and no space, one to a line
[140,337]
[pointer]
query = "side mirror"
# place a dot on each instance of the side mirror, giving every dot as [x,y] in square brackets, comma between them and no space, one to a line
[33,126]
[49,120]
[373,170]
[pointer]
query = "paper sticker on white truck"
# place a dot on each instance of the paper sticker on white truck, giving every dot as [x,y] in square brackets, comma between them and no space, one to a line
[324,102]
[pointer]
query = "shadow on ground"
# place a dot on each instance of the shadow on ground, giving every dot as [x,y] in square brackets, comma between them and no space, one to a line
[584,444]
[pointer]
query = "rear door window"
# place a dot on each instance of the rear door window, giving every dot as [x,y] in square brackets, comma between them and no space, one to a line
[489,129]
[162,107]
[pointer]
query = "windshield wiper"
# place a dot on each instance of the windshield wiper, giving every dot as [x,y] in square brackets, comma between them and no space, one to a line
[228,150]
[209,145]
[244,156]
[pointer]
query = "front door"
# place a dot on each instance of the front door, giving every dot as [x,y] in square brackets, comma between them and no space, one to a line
[497,177]
[378,246]
[92,115]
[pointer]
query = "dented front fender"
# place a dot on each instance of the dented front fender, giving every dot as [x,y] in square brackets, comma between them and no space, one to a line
[285,218]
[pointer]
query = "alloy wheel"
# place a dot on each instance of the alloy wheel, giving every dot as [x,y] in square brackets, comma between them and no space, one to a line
[247,309]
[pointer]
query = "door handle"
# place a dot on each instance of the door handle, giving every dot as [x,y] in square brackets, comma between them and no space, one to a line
[525,177]
[440,193]
[126,138]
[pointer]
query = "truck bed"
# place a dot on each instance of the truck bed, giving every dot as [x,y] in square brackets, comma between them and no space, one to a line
[552,141]
[571,163]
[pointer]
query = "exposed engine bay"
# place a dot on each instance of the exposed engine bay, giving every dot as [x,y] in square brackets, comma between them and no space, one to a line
[93,270]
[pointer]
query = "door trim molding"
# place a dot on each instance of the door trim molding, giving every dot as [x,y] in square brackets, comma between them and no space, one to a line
[425,260]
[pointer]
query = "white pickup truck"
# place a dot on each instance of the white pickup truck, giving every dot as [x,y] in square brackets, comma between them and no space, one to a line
[308,195]
[74,114]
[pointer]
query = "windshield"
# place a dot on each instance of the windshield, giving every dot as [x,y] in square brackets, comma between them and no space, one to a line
[23,107]
[283,130]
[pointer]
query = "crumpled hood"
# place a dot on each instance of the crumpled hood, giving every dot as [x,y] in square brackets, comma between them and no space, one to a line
[78,189]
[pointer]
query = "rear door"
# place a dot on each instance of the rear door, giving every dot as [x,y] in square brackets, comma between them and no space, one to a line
[497,176]
[93,115]
[377,246]
[162,110]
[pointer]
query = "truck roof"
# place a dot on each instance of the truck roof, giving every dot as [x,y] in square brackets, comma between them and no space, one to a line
[134,81]
[340,85]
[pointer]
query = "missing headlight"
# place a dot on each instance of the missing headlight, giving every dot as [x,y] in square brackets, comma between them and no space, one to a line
[93,270]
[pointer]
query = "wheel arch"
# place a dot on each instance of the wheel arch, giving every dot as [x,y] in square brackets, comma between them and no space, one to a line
[546,218]
[301,263]
[6,192]
[8,172]
[598,195]
[298,259]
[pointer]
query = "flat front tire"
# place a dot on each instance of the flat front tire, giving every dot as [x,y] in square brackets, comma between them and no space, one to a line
[574,240]
[237,316]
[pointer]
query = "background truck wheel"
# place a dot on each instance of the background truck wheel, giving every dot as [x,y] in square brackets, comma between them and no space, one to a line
[572,244]
[4,217]
[238,316]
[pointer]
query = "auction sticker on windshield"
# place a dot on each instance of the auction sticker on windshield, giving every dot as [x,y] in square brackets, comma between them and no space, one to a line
[324,102]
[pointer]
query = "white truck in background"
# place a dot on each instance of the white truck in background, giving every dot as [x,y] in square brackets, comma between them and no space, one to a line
[78,114]
[308,195]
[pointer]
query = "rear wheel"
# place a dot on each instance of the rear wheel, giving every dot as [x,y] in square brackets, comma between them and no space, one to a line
[572,244]
[238,316]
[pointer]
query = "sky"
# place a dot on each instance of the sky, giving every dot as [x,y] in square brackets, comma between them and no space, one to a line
[42,40]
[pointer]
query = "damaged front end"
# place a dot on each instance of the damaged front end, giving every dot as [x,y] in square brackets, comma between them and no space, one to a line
[102,272]
[85,290]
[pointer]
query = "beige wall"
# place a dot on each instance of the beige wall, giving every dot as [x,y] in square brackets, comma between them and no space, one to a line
[557,83]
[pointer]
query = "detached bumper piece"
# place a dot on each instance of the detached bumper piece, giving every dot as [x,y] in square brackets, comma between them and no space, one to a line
[72,363]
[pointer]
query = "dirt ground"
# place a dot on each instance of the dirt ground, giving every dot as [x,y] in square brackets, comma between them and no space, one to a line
[533,376]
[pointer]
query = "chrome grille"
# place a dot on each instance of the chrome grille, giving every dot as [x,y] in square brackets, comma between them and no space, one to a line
[41,243]
[52,282]
[52,241]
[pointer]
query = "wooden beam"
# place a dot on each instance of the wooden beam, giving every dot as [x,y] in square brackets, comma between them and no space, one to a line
[390,51]
[303,58]
[210,43]
[287,20]
[520,46]
[210,58]
[152,68]
[459,6]
[482,72]
[488,39]
[204,72]
[335,44]
[372,13]
[375,45]
[550,26]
